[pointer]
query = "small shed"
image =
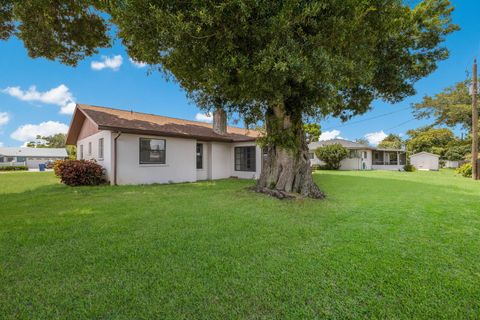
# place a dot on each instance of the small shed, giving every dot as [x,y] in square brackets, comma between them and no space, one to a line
[425,161]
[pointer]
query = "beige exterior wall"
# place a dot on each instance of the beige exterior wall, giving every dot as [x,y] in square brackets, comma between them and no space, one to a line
[107,160]
[425,161]
[350,163]
[180,165]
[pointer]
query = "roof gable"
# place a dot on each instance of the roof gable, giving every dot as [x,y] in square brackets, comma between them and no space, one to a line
[424,153]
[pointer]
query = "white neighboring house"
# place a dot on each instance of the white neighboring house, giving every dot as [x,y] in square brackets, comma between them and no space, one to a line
[362,157]
[425,161]
[140,148]
[30,157]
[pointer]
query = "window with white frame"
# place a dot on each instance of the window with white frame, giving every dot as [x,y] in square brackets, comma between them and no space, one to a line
[100,148]
[81,152]
[90,148]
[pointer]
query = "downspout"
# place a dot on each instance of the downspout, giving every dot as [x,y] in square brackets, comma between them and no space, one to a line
[115,157]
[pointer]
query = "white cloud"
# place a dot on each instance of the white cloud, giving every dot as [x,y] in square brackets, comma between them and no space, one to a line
[113,63]
[137,63]
[60,96]
[4,118]
[374,138]
[204,117]
[329,135]
[28,132]
[1,144]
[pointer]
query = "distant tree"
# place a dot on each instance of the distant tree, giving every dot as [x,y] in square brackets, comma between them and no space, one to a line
[281,61]
[428,139]
[392,141]
[53,141]
[312,132]
[451,107]
[332,155]
[362,140]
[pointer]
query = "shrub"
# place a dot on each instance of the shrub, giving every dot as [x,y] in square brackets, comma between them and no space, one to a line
[13,168]
[332,155]
[465,170]
[409,168]
[79,172]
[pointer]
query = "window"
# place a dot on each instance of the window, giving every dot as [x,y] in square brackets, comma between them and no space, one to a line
[311,156]
[364,154]
[152,151]
[89,148]
[1,159]
[21,159]
[244,158]
[81,152]
[199,156]
[100,148]
[353,154]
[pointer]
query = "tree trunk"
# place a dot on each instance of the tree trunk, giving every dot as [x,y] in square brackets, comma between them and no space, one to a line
[286,167]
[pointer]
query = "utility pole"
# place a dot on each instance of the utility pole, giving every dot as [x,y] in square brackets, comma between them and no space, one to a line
[474,122]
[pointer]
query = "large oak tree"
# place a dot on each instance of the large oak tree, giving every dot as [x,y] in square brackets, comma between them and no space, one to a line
[279,62]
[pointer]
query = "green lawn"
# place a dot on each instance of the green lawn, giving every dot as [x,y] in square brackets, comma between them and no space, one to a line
[383,245]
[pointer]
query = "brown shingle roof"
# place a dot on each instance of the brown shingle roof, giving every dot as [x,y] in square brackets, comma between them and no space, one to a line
[143,123]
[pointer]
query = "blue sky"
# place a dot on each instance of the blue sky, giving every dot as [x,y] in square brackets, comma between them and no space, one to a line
[37,95]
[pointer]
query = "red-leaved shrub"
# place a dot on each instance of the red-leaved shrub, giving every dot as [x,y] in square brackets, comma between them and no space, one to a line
[79,172]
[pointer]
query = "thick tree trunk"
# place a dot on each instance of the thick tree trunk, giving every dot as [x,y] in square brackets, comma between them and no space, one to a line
[286,167]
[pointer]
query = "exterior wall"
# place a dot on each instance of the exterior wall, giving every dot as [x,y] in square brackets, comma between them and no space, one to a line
[349,163]
[220,160]
[33,162]
[107,160]
[258,161]
[425,162]
[180,161]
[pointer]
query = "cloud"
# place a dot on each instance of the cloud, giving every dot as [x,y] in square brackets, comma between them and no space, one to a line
[329,135]
[113,63]
[60,96]
[1,144]
[28,132]
[374,138]
[204,117]
[137,63]
[4,118]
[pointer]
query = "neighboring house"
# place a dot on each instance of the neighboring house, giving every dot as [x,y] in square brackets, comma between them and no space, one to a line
[362,157]
[30,157]
[425,161]
[452,164]
[140,148]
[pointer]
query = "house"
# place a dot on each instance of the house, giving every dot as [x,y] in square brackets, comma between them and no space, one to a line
[30,157]
[140,148]
[425,161]
[362,157]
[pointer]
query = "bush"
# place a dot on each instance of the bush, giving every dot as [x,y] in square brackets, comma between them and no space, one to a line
[332,155]
[79,172]
[409,168]
[13,168]
[465,170]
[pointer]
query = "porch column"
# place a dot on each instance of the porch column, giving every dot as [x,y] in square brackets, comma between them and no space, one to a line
[398,158]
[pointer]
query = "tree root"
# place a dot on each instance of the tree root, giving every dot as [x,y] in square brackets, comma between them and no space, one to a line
[283,195]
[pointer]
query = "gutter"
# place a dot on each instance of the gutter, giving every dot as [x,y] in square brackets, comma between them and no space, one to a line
[115,157]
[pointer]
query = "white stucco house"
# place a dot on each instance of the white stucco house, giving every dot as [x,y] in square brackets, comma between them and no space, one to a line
[30,157]
[362,157]
[425,161]
[140,148]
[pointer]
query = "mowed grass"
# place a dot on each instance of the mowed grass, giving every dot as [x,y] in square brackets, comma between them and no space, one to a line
[385,245]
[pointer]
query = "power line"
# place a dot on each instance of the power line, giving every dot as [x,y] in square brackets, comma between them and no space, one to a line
[368,119]
[401,124]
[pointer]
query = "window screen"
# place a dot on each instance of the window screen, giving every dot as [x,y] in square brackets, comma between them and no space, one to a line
[152,151]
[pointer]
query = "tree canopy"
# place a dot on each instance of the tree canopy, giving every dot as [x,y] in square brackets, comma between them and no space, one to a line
[439,141]
[392,141]
[451,107]
[312,132]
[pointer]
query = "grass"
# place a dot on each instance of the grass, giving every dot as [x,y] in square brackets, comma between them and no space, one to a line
[384,245]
